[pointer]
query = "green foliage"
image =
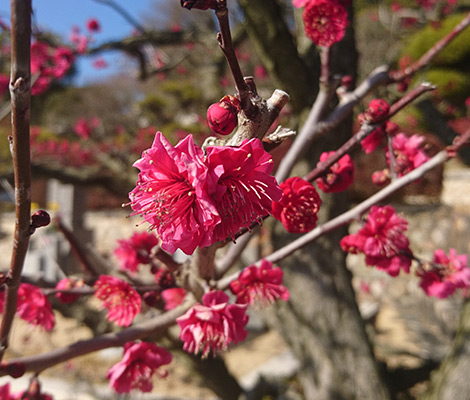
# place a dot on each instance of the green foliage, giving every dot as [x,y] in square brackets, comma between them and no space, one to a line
[451,84]
[458,52]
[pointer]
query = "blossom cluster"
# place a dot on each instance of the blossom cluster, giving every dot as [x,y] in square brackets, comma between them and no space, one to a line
[382,240]
[48,63]
[192,199]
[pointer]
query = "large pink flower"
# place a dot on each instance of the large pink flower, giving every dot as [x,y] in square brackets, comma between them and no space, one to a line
[212,325]
[135,250]
[298,207]
[446,275]
[259,286]
[120,299]
[171,194]
[137,367]
[34,307]
[382,240]
[245,189]
[340,175]
[325,21]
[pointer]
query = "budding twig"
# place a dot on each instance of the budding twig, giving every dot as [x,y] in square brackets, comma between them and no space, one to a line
[20,92]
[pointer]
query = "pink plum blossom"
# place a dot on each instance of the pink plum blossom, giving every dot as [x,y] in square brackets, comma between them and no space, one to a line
[34,307]
[339,176]
[244,190]
[298,207]
[259,286]
[173,297]
[445,275]
[212,325]
[135,250]
[136,369]
[120,299]
[67,284]
[172,194]
[382,240]
[408,152]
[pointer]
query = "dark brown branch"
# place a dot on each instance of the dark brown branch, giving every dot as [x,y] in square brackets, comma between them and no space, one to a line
[20,92]
[38,363]
[226,45]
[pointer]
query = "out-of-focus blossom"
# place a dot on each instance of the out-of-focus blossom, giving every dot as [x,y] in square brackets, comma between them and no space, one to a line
[34,307]
[377,110]
[173,297]
[4,84]
[259,286]
[382,240]
[298,207]
[68,284]
[212,325]
[140,362]
[445,275]
[93,25]
[408,152]
[135,250]
[100,63]
[120,299]
[339,176]
[325,21]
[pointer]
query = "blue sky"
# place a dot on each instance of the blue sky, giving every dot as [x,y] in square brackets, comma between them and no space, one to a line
[59,16]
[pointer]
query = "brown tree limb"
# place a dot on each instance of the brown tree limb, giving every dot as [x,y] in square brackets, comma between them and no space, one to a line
[20,92]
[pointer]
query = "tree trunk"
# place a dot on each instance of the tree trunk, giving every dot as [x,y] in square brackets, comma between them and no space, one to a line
[451,381]
[321,321]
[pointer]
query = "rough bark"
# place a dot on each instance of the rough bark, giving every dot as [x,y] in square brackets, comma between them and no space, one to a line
[451,381]
[321,322]
[266,27]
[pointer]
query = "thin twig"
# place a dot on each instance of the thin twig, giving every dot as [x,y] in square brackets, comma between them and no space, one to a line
[20,93]
[38,363]
[129,18]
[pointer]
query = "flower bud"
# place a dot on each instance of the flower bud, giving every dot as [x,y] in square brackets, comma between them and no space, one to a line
[199,4]
[40,218]
[378,110]
[222,116]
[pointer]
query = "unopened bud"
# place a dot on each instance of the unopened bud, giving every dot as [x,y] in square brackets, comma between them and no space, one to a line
[378,110]
[199,4]
[222,116]
[40,218]
[14,369]
[152,298]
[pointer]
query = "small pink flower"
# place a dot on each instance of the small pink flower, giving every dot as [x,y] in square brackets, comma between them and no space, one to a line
[100,63]
[119,298]
[340,175]
[382,240]
[67,284]
[260,72]
[259,286]
[212,325]
[172,194]
[4,84]
[34,307]
[138,365]
[446,275]
[298,207]
[62,60]
[325,21]
[135,250]
[93,26]
[245,189]
[408,153]
[173,297]
[373,140]
[82,128]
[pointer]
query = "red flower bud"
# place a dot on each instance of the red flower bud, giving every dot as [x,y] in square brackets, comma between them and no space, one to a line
[222,116]
[15,369]
[40,218]
[199,4]
[378,110]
